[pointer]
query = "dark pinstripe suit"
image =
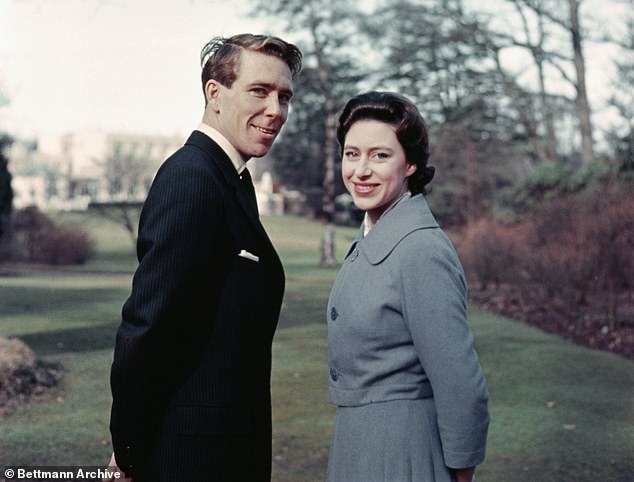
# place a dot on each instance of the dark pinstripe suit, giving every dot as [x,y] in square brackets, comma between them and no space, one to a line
[191,372]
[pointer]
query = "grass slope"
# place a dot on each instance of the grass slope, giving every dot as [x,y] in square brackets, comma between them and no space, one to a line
[560,412]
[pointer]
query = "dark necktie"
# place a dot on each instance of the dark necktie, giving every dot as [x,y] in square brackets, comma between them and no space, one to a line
[247,185]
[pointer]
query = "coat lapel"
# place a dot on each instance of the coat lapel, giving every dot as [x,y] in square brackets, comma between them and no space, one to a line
[242,192]
[408,215]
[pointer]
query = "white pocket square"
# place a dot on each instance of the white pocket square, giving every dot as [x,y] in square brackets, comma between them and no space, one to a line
[245,254]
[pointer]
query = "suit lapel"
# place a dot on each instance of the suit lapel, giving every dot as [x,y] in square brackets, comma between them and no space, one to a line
[243,193]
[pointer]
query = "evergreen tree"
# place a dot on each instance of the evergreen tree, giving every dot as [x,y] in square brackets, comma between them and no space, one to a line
[6,192]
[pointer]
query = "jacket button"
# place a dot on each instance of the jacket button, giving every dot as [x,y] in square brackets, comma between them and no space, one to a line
[333,313]
[334,375]
[354,255]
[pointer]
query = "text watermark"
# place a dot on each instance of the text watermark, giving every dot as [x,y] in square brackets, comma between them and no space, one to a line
[84,473]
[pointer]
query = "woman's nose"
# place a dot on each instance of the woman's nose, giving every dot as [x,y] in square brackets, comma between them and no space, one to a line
[362,169]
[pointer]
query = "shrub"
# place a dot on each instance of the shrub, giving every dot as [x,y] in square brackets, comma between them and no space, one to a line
[61,245]
[491,252]
[562,256]
[612,232]
[584,245]
[37,238]
[570,254]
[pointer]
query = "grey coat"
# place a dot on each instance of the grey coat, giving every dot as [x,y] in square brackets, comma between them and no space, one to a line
[397,329]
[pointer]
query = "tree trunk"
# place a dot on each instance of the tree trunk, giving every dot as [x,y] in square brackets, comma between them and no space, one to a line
[330,150]
[517,98]
[328,198]
[551,140]
[581,101]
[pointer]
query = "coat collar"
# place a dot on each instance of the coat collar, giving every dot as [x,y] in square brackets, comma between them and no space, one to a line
[220,158]
[407,216]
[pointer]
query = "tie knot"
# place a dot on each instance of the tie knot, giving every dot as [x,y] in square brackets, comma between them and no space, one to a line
[245,175]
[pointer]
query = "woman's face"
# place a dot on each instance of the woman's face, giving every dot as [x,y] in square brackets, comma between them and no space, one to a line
[374,167]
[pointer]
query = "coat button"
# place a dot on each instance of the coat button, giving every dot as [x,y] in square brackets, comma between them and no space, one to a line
[333,313]
[334,375]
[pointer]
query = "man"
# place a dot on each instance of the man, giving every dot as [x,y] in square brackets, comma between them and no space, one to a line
[191,373]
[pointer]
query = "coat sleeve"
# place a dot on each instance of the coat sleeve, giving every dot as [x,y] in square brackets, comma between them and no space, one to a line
[162,328]
[434,295]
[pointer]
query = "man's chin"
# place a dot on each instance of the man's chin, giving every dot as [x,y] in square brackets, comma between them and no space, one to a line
[260,151]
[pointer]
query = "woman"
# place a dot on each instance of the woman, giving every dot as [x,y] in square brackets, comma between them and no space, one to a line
[410,394]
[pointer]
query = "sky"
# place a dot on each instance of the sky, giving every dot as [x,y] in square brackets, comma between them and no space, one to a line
[133,65]
[119,65]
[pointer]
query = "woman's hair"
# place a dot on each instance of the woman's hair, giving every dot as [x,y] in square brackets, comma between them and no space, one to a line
[402,114]
[220,56]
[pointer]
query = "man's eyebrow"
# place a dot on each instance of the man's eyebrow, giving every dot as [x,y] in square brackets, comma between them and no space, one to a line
[271,86]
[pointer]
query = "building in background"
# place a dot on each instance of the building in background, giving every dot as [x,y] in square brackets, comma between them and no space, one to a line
[78,169]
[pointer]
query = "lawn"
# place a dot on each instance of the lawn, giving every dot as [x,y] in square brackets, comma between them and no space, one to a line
[560,412]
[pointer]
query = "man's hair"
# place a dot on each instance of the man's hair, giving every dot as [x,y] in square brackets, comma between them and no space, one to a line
[220,57]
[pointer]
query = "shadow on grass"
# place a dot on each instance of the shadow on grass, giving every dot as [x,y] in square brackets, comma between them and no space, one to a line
[74,340]
[20,300]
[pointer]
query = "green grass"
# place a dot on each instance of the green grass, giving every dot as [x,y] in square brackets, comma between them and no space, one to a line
[560,412]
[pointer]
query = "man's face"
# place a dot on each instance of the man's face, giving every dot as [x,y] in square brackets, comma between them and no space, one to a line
[252,112]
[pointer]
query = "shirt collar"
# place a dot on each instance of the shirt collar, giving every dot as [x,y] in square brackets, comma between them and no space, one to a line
[225,145]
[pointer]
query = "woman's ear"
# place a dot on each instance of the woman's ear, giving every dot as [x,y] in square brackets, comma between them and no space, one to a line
[410,169]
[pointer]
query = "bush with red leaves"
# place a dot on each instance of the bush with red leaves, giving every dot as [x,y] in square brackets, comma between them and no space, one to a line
[38,239]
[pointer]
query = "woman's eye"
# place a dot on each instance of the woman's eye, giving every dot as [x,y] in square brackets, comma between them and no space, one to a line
[381,156]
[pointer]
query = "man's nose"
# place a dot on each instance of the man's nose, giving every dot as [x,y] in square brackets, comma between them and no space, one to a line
[273,106]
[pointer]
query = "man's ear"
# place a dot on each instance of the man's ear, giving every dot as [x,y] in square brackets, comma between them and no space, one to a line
[212,90]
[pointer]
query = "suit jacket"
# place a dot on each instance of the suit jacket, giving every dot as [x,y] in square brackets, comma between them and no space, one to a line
[191,372]
[397,328]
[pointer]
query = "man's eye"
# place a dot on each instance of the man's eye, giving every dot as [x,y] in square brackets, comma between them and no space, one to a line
[258,91]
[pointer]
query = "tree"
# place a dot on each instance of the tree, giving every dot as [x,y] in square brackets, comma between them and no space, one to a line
[440,57]
[128,177]
[564,18]
[6,195]
[534,41]
[622,100]
[329,76]
[581,98]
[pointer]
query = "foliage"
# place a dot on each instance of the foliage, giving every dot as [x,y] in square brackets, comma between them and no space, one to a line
[493,120]
[622,100]
[306,154]
[6,192]
[585,244]
[37,238]
[491,251]
[624,153]
[573,249]
[558,178]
